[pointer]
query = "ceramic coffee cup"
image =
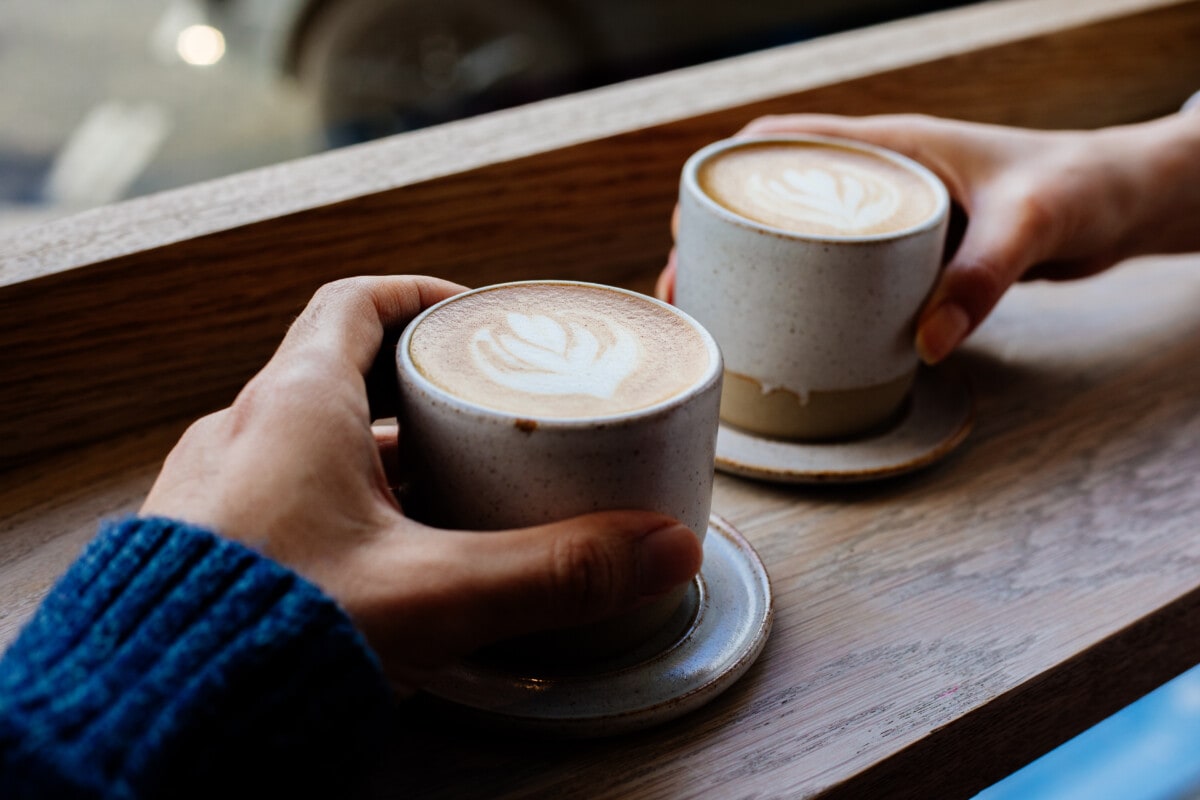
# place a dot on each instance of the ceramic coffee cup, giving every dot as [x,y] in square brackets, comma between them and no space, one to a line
[530,402]
[808,259]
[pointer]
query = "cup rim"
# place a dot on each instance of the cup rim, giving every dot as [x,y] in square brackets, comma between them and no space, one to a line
[406,367]
[691,182]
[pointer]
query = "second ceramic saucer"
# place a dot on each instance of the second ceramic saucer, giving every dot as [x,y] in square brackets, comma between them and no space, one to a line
[717,634]
[939,415]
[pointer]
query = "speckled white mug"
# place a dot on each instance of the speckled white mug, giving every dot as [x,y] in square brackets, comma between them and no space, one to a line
[498,460]
[816,320]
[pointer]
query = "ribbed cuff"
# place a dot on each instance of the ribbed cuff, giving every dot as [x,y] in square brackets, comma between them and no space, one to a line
[168,660]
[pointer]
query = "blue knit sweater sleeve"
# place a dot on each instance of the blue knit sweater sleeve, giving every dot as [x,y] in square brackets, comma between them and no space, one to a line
[169,662]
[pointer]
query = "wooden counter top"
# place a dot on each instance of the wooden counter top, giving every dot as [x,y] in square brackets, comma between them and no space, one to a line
[936,631]
[933,632]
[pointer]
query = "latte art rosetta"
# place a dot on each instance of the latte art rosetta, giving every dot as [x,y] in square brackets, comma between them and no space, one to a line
[559,350]
[847,200]
[540,355]
[815,189]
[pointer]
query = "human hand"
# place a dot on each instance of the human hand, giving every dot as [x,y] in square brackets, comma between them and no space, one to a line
[1039,204]
[295,470]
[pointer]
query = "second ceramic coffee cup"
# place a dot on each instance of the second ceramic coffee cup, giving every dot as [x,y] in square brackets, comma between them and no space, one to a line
[531,402]
[808,259]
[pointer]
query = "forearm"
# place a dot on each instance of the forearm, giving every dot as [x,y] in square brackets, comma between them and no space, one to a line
[168,660]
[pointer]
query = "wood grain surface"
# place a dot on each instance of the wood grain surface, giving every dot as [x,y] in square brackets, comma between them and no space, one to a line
[933,632]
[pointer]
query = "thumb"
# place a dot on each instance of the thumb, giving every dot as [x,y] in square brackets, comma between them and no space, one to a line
[434,595]
[578,571]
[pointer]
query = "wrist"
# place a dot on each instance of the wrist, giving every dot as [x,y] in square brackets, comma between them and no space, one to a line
[1162,161]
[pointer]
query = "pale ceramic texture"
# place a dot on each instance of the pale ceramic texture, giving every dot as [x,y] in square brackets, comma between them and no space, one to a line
[799,311]
[716,636]
[939,416]
[486,470]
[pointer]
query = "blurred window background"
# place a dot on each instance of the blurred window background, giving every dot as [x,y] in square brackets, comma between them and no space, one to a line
[104,101]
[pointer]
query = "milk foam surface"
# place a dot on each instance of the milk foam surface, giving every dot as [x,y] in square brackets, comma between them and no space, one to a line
[818,189]
[558,350]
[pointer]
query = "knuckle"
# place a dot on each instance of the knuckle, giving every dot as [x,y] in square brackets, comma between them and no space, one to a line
[341,288]
[243,413]
[1036,218]
[201,432]
[764,121]
[917,123]
[206,426]
[344,291]
[282,390]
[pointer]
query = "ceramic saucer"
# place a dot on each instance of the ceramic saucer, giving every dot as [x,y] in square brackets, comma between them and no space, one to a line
[938,417]
[717,633]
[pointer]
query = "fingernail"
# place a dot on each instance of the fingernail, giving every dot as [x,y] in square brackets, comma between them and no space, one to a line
[941,332]
[666,557]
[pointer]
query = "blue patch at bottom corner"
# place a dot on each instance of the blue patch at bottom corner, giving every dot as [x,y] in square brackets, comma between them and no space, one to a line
[1149,750]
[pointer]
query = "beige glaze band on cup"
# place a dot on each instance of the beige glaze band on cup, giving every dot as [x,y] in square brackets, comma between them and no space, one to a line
[477,468]
[816,330]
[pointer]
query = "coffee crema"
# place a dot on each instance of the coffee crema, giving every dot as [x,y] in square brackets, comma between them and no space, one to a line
[559,350]
[818,188]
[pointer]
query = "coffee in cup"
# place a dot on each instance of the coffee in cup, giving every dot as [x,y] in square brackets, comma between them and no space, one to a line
[560,350]
[818,190]
[531,402]
[808,259]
